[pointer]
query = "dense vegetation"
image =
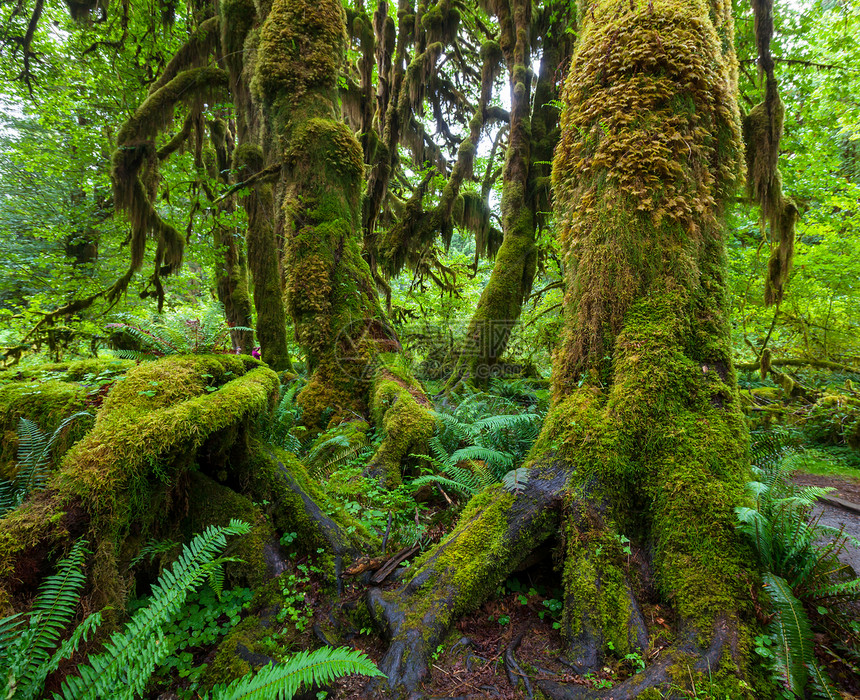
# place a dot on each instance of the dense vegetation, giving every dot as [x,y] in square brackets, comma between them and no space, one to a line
[456,319]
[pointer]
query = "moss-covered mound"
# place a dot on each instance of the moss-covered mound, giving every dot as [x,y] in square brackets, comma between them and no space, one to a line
[124,481]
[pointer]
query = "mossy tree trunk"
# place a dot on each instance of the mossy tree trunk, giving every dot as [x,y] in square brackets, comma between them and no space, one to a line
[645,437]
[231,268]
[329,289]
[532,137]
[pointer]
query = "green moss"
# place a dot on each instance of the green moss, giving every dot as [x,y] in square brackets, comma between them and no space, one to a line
[289,511]
[401,411]
[213,504]
[625,195]
[597,599]
[301,49]
[147,434]
[646,404]
[36,521]
[468,565]
[47,403]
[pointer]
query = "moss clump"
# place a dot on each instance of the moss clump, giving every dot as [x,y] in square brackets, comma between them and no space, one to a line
[597,596]
[468,565]
[401,410]
[152,423]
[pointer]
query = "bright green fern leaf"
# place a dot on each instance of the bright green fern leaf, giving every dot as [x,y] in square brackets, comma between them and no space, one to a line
[282,680]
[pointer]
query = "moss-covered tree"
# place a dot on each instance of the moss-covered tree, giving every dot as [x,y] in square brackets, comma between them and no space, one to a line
[533,134]
[645,437]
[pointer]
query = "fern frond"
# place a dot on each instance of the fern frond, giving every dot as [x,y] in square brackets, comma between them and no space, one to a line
[846,588]
[10,629]
[8,496]
[516,479]
[54,608]
[508,421]
[822,686]
[305,668]
[451,484]
[69,646]
[131,656]
[484,473]
[152,549]
[496,458]
[793,634]
[31,441]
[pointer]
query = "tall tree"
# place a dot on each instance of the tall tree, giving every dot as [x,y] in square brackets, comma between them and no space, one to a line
[645,436]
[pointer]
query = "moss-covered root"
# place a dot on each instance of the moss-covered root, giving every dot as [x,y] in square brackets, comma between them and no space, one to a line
[672,670]
[497,530]
[402,412]
[300,505]
[600,610]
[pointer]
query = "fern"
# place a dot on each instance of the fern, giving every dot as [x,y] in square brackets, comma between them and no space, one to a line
[791,629]
[203,332]
[152,549]
[282,426]
[131,656]
[34,461]
[822,686]
[29,644]
[516,479]
[801,574]
[305,668]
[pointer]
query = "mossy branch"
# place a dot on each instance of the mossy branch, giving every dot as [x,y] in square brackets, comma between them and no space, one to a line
[136,159]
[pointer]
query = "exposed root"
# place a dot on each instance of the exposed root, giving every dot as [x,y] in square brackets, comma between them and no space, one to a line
[496,532]
[685,658]
[512,668]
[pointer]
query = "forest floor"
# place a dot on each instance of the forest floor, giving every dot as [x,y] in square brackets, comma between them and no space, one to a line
[845,489]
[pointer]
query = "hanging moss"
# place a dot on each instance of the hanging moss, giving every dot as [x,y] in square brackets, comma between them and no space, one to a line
[762,133]
[134,168]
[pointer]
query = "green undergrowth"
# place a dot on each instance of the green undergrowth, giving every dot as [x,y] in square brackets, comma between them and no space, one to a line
[49,393]
[480,438]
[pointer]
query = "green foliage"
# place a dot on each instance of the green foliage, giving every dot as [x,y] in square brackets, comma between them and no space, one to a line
[30,647]
[183,332]
[802,572]
[472,450]
[283,680]
[34,461]
[201,622]
[130,657]
[284,427]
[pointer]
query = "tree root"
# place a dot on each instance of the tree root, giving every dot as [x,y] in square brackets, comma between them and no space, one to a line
[495,533]
[512,668]
[685,658]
